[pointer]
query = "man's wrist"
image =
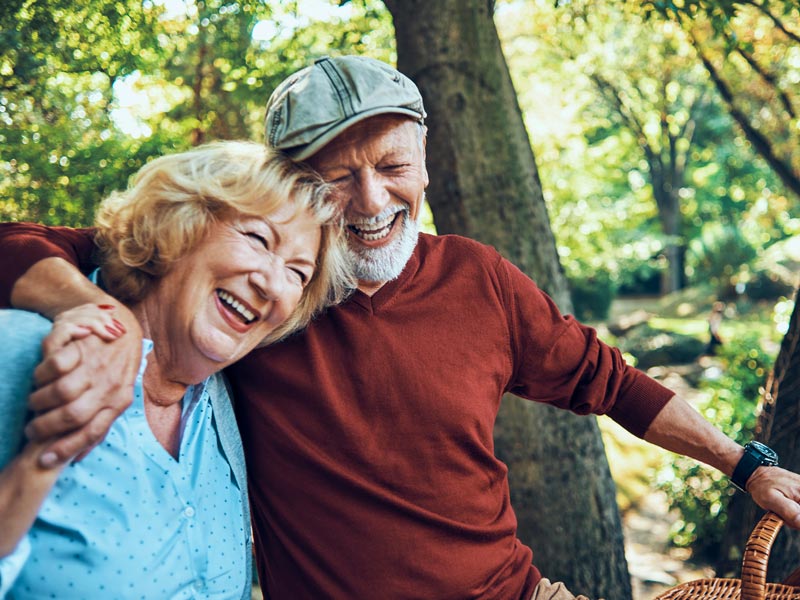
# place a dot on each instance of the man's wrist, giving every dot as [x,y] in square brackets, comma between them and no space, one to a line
[52,286]
[755,455]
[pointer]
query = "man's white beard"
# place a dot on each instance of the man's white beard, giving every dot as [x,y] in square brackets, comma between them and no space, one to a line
[385,263]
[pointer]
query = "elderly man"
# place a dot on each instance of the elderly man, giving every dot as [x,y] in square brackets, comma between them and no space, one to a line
[369,435]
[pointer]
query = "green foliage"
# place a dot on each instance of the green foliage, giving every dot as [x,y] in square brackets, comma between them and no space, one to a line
[592,295]
[748,49]
[719,254]
[766,285]
[652,347]
[616,103]
[701,494]
[89,91]
[725,257]
[59,151]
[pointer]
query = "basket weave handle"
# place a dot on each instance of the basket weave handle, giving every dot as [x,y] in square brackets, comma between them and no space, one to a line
[756,555]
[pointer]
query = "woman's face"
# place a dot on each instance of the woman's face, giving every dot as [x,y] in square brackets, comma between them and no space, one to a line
[244,280]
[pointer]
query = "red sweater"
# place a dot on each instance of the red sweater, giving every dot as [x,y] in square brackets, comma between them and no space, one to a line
[369,436]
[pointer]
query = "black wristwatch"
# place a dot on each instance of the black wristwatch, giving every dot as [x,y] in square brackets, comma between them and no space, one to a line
[755,455]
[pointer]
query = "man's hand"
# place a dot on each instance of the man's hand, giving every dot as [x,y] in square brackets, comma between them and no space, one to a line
[778,490]
[85,380]
[681,429]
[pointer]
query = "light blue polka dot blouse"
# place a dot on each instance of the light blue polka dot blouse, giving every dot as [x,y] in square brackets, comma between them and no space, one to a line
[130,521]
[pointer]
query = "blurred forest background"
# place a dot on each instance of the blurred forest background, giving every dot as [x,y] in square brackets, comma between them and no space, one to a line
[666,140]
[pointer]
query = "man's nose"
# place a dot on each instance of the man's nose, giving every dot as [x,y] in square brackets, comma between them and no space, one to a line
[370,195]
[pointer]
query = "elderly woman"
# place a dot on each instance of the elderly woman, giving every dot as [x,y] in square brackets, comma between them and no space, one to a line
[215,251]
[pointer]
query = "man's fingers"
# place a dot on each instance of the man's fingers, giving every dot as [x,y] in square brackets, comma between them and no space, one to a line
[97,431]
[67,418]
[57,338]
[56,364]
[60,392]
[778,490]
[79,443]
[83,454]
[792,518]
[83,387]
[787,509]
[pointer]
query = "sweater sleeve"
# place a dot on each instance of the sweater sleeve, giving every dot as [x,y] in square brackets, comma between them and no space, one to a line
[559,361]
[24,244]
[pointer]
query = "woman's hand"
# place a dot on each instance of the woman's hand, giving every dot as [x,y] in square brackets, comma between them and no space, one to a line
[85,380]
[82,321]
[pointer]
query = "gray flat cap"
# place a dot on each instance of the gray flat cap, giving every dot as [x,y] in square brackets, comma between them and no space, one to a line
[317,103]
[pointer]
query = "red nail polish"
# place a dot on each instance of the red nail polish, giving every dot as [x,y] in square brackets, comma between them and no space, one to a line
[119,325]
[106,306]
[113,331]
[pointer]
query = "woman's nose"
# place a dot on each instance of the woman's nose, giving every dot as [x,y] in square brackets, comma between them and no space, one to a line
[270,280]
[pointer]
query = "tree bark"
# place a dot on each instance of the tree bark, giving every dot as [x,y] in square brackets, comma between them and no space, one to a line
[484,184]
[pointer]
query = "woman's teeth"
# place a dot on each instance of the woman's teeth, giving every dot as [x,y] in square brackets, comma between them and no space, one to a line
[246,314]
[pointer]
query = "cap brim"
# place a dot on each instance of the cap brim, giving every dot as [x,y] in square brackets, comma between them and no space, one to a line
[299,153]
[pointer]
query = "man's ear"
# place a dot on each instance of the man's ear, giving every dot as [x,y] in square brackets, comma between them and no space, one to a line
[424,155]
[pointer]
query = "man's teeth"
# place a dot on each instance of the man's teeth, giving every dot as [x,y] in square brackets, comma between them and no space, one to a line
[247,315]
[373,231]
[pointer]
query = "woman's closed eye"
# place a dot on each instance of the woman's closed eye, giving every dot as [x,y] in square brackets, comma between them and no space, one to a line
[299,274]
[258,238]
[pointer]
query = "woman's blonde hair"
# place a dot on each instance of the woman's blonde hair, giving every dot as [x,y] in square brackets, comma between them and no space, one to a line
[173,201]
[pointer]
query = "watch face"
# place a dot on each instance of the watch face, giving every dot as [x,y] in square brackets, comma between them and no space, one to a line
[768,454]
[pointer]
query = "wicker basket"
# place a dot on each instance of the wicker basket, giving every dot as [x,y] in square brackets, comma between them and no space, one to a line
[752,585]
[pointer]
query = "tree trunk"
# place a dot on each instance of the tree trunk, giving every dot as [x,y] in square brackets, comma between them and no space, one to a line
[669,214]
[779,428]
[485,185]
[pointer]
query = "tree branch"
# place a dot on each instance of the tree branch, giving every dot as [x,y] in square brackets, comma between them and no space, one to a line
[769,78]
[762,144]
[775,20]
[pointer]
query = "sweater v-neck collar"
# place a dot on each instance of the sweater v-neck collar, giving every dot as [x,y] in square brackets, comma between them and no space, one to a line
[390,289]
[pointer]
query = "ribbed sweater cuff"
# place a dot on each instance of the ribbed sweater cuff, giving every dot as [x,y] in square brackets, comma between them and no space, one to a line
[636,409]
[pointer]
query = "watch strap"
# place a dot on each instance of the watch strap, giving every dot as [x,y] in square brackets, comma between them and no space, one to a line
[747,465]
[755,455]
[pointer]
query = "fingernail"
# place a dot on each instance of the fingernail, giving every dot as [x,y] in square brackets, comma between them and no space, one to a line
[28,431]
[48,460]
[106,306]
[113,331]
[119,325]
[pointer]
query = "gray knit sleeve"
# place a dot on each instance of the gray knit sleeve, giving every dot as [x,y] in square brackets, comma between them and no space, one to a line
[21,335]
